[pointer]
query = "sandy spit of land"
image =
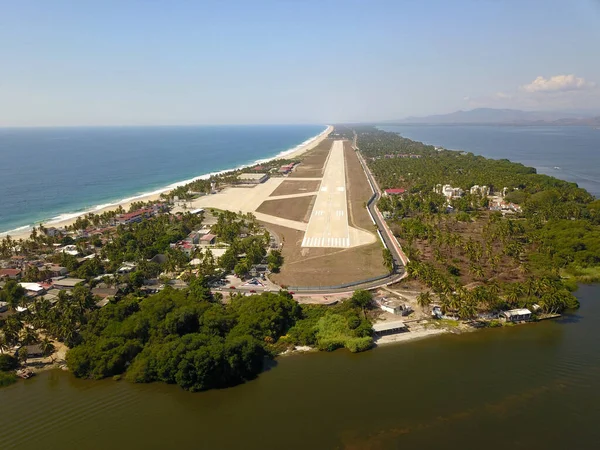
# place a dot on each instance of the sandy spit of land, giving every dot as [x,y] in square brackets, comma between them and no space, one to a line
[156,196]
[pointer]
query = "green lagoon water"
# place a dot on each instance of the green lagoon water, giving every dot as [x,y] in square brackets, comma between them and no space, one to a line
[525,387]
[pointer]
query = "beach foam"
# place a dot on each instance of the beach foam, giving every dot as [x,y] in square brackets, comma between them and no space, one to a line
[71,216]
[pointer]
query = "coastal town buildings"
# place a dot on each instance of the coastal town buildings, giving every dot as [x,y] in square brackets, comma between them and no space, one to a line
[134,217]
[497,204]
[448,191]
[480,190]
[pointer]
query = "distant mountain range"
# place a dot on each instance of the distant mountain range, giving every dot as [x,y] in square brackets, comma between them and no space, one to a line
[506,117]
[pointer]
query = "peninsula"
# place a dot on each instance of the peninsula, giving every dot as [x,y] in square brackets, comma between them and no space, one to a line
[363,237]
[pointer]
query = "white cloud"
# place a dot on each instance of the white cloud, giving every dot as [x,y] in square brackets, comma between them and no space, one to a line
[554,93]
[557,83]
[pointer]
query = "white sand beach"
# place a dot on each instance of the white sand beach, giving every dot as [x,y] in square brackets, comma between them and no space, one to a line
[295,153]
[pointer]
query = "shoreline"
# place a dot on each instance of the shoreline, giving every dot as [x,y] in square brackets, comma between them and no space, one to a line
[66,219]
[541,169]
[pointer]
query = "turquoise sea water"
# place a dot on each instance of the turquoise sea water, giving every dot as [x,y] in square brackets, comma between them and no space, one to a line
[568,153]
[50,173]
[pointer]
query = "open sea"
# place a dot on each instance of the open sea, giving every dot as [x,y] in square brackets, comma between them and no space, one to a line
[568,153]
[55,173]
[49,174]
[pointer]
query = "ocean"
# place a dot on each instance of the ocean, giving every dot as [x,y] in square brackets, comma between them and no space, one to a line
[568,153]
[49,174]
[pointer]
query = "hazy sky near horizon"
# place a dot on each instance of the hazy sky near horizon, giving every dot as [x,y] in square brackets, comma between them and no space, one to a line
[126,62]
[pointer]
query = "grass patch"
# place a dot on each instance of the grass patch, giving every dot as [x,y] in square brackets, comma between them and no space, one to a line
[329,328]
[583,274]
[449,323]
[7,378]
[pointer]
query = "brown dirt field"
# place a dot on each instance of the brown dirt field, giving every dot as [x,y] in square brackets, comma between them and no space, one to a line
[507,270]
[324,266]
[290,208]
[313,161]
[358,192]
[296,187]
[328,266]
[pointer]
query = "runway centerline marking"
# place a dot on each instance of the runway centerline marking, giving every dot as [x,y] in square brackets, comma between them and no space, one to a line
[328,224]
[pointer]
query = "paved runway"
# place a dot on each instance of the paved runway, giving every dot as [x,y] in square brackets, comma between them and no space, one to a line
[328,223]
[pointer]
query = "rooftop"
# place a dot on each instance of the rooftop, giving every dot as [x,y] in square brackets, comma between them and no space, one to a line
[384,326]
[33,287]
[395,191]
[517,312]
[10,272]
[68,282]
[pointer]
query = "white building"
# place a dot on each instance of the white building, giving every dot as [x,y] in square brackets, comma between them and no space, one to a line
[33,289]
[480,190]
[448,191]
[517,315]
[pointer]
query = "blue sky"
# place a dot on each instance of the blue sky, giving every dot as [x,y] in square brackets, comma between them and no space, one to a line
[290,61]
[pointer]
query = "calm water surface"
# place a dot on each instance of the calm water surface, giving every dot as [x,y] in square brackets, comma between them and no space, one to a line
[568,153]
[46,173]
[525,387]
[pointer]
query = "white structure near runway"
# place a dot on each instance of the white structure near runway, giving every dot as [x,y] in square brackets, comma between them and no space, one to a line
[328,224]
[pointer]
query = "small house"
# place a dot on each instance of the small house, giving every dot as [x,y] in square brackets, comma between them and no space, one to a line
[135,216]
[33,289]
[208,239]
[55,270]
[33,351]
[126,267]
[66,283]
[517,315]
[11,274]
[53,232]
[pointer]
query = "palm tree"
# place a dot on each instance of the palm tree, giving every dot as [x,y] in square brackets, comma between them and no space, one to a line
[12,328]
[47,346]
[514,293]
[28,336]
[466,310]
[424,299]
[3,344]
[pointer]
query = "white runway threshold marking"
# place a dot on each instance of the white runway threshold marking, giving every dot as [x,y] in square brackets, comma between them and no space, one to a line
[328,224]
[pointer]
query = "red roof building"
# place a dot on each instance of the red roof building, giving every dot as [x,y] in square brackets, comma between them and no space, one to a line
[395,191]
[135,216]
[13,274]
